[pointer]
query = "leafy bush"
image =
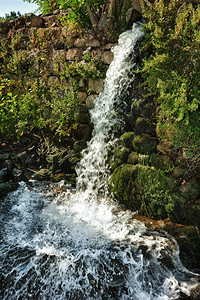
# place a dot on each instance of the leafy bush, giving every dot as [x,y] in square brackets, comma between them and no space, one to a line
[172,69]
[35,101]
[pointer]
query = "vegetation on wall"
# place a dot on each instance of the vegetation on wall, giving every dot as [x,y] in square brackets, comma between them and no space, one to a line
[30,97]
[103,16]
[172,70]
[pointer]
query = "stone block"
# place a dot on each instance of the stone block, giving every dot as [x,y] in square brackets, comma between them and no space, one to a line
[107,57]
[74,54]
[95,86]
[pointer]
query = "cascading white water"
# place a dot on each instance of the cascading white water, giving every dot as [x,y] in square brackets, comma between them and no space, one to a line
[92,170]
[57,243]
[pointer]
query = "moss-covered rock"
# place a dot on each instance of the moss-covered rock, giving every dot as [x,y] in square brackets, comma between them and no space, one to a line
[162,162]
[121,153]
[126,139]
[144,144]
[133,158]
[143,189]
[143,125]
[123,185]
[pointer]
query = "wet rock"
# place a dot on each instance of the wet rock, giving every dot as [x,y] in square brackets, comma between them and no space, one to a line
[3,158]
[90,101]
[188,239]
[109,46]
[7,187]
[132,16]
[5,175]
[18,175]
[68,163]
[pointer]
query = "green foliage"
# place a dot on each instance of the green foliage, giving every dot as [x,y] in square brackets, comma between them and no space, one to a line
[46,108]
[12,16]
[87,68]
[172,70]
[118,15]
[79,10]
[35,100]
[45,6]
[104,16]
[8,106]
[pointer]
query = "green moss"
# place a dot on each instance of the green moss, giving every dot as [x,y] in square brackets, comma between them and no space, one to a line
[123,185]
[144,144]
[142,188]
[162,162]
[133,158]
[121,153]
[127,139]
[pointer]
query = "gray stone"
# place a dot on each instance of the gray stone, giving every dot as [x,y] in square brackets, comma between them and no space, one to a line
[80,43]
[95,86]
[107,57]
[74,54]
[90,101]
[82,97]
[34,21]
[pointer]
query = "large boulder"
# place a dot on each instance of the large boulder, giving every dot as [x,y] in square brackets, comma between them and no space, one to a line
[143,189]
[34,21]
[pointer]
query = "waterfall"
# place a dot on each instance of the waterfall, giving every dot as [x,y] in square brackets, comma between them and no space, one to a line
[58,243]
[92,170]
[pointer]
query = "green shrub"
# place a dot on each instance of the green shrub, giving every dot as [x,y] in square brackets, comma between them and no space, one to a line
[172,69]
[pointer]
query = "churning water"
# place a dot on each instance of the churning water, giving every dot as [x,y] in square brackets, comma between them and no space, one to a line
[58,243]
